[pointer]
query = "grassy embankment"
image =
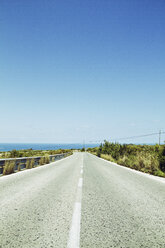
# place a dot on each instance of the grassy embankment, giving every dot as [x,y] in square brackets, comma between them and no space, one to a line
[30,163]
[146,158]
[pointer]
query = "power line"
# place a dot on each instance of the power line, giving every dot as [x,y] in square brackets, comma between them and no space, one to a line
[141,136]
[136,136]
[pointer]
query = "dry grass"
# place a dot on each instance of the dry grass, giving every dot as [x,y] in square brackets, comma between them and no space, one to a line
[42,161]
[144,162]
[107,157]
[9,167]
[30,163]
[19,168]
[47,159]
[53,159]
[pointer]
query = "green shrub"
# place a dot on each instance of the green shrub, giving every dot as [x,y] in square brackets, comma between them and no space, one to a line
[98,153]
[146,158]
[159,173]
[162,163]
[14,154]
[162,159]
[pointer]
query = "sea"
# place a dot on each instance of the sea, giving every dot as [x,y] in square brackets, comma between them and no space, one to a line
[4,147]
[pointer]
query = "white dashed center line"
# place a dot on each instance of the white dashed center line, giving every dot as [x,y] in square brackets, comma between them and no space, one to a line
[74,235]
[80,183]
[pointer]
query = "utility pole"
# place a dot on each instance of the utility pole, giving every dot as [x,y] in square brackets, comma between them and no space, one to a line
[159,137]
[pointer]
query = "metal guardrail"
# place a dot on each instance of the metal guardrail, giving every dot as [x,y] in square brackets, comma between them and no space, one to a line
[21,162]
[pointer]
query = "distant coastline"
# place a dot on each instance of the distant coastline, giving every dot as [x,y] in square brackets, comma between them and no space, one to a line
[4,147]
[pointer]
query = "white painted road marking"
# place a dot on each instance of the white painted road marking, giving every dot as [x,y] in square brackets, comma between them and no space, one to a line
[74,236]
[80,183]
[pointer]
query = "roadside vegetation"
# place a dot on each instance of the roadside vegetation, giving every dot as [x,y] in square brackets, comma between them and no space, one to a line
[44,160]
[30,163]
[31,153]
[146,158]
[11,166]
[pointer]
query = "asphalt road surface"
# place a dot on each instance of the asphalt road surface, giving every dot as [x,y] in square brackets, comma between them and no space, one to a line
[82,201]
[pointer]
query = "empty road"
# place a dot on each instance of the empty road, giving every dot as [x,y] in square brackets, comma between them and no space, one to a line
[82,201]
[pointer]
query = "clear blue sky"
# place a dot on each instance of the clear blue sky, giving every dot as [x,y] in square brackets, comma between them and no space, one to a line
[73,70]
